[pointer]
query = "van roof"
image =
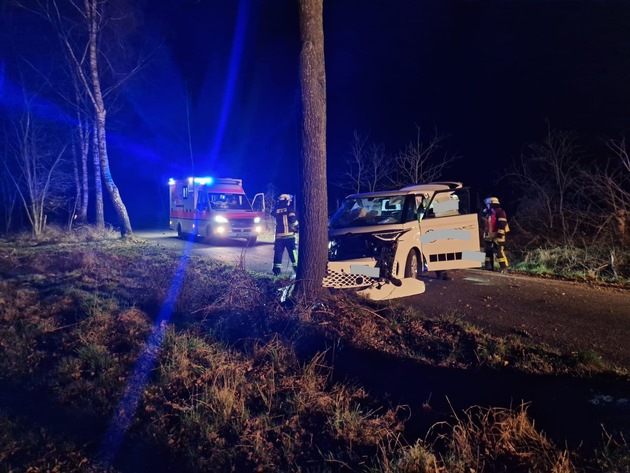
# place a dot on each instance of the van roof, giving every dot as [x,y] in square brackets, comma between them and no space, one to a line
[411,189]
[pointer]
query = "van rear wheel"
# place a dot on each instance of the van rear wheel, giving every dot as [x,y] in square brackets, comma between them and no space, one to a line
[412,267]
[180,234]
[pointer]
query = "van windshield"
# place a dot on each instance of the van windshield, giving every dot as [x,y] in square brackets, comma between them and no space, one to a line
[365,211]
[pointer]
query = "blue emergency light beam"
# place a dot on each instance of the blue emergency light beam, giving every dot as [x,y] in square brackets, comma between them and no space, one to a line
[139,379]
[16,99]
[235,62]
[2,77]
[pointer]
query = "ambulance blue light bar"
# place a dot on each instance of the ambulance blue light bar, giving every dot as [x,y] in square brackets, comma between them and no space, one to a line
[202,180]
[198,180]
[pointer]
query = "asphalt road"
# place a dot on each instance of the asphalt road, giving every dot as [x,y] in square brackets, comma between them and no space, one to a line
[257,258]
[569,316]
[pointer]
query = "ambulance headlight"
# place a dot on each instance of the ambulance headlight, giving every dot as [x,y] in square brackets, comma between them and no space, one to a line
[220,219]
[257,220]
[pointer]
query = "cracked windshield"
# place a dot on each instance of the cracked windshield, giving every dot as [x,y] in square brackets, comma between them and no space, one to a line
[358,212]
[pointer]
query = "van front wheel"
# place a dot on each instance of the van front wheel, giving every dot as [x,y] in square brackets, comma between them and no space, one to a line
[413,265]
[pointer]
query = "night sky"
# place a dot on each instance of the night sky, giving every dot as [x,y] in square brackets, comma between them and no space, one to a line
[223,76]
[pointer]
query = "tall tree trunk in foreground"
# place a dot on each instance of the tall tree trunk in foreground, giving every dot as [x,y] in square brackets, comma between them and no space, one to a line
[313,204]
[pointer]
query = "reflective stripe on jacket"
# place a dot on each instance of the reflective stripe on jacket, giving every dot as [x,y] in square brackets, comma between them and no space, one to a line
[286,221]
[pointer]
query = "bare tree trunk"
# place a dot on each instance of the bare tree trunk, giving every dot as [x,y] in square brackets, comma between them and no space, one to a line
[80,152]
[98,184]
[91,7]
[85,186]
[81,149]
[77,186]
[121,210]
[84,148]
[313,205]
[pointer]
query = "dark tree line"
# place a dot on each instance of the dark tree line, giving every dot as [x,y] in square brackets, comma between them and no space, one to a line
[58,167]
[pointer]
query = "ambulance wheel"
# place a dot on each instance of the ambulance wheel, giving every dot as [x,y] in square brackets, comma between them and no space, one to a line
[412,267]
[251,241]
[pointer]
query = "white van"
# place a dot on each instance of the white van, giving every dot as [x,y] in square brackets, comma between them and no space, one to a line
[380,243]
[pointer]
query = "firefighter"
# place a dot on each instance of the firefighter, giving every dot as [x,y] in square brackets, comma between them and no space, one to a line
[495,226]
[286,227]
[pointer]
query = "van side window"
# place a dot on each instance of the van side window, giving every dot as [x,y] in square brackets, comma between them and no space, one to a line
[411,213]
[446,207]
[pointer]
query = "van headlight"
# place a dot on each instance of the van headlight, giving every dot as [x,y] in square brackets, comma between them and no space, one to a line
[256,219]
[220,219]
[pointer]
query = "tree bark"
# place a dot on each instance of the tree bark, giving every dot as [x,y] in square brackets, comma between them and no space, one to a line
[91,7]
[80,151]
[313,204]
[84,144]
[98,183]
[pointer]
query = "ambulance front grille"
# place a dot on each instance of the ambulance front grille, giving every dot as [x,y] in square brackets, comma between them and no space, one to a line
[242,222]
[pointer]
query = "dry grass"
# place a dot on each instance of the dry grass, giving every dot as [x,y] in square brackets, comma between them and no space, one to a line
[37,450]
[229,389]
[261,413]
[592,263]
[497,439]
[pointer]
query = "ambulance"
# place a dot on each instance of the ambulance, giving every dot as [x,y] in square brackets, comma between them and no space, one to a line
[215,209]
[382,243]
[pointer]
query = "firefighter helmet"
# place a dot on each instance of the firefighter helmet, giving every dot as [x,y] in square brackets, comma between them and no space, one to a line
[286,197]
[490,200]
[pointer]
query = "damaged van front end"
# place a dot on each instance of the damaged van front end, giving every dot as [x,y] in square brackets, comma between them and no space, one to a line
[381,243]
[366,261]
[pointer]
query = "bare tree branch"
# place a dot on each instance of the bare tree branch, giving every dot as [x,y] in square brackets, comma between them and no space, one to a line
[421,161]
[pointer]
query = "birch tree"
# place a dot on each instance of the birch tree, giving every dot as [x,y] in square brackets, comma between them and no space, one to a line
[80,25]
[80,150]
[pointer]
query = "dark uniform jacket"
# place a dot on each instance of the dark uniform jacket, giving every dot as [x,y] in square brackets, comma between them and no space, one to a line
[496,223]
[286,220]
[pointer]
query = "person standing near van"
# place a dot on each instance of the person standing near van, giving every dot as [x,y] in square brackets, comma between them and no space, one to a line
[495,229]
[286,227]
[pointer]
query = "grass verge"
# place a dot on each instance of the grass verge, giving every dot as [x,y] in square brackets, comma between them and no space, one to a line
[240,382]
